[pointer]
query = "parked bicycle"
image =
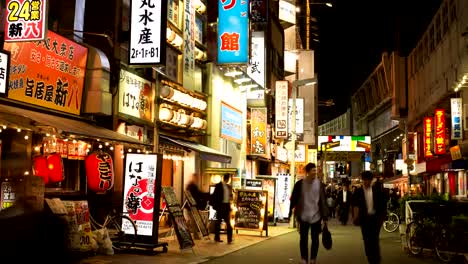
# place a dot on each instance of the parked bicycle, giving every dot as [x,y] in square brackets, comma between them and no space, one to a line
[121,228]
[392,223]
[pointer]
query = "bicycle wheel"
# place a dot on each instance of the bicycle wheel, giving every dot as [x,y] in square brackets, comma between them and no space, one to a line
[441,245]
[392,223]
[122,232]
[412,232]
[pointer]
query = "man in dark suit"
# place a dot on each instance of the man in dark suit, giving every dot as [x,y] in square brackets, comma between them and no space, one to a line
[343,202]
[370,200]
[221,202]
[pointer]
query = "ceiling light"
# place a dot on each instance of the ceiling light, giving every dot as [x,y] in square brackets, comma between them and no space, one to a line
[329,4]
[233,73]
[298,9]
[242,80]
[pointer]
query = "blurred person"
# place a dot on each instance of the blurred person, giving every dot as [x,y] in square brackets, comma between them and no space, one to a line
[331,204]
[372,210]
[221,202]
[343,203]
[197,194]
[310,208]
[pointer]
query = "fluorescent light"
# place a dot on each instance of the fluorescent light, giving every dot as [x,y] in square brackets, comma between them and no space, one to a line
[233,73]
[329,4]
[242,80]
[298,9]
[310,83]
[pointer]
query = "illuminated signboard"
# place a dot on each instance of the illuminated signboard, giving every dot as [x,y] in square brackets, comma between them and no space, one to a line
[25,20]
[135,96]
[231,123]
[344,143]
[233,32]
[258,132]
[427,137]
[456,109]
[281,109]
[439,131]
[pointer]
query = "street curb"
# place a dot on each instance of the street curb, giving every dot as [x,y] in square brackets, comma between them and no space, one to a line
[229,252]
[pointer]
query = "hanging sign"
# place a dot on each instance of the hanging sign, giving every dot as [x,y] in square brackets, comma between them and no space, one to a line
[281,109]
[233,32]
[299,116]
[456,109]
[142,183]
[147,32]
[427,137]
[26,20]
[258,133]
[256,69]
[135,96]
[48,73]
[439,131]
[4,71]
[231,123]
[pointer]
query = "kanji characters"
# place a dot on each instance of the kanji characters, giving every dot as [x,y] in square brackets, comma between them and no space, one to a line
[230,41]
[230,5]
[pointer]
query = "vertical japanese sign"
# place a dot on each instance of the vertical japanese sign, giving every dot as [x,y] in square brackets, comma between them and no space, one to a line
[147,32]
[48,73]
[299,116]
[439,131]
[256,69]
[26,20]
[281,109]
[189,43]
[283,192]
[427,137]
[4,71]
[258,131]
[140,196]
[233,31]
[456,109]
[135,96]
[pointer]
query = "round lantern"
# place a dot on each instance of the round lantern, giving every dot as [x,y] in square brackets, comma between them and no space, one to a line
[55,167]
[40,168]
[99,171]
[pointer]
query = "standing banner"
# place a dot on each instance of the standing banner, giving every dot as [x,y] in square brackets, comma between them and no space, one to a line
[142,192]
[233,32]
[283,192]
[48,73]
[147,32]
[258,132]
[25,20]
[177,216]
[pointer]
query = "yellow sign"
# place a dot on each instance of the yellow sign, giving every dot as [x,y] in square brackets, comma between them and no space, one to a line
[258,133]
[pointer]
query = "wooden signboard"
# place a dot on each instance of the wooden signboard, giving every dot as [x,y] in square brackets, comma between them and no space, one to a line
[250,212]
[196,214]
[173,206]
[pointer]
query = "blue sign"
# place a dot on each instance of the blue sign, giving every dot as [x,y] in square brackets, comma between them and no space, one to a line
[233,32]
[231,123]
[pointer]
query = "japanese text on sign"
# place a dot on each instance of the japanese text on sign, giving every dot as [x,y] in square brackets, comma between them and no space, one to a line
[4,66]
[456,107]
[233,36]
[428,137]
[256,69]
[49,73]
[139,191]
[135,96]
[281,108]
[145,36]
[439,128]
[258,131]
[25,20]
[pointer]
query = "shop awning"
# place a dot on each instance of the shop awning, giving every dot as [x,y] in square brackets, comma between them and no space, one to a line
[17,116]
[205,152]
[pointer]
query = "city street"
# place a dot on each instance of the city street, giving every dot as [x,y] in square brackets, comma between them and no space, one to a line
[347,248]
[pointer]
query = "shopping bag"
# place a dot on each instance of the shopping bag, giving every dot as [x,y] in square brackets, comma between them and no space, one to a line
[326,238]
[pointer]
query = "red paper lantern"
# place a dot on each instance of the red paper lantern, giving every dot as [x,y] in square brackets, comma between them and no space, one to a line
[99,171]
[40,168]
[55,166]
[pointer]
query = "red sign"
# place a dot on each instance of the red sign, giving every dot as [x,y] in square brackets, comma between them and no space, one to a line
[26,20]
[427,137]
[439,128]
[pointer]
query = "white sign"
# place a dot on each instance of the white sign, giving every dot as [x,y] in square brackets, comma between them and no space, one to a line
[256,94]
[135,96]
[189,44]
[136,132]
[456,107]
[146,37]
[4,70]
[281,154]
[300,153]
[139,192]
[299,115]
[281,109]
[287,12]
[283,191]
[256,68]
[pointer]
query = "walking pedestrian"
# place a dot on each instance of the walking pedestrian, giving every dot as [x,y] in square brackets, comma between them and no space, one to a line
[343,203]
[196,193]
[371,204]
[221,202]
[310,209]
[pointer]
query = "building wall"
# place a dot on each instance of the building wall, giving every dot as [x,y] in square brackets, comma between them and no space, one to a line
[337,127]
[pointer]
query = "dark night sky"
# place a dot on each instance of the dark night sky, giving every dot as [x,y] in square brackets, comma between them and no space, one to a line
[353,34]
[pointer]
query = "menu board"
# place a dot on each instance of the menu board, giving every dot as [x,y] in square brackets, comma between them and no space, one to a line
[196,214]
[251,208]
[177,216]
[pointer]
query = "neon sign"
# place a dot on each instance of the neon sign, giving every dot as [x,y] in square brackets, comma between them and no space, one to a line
[439,128]
[427,137]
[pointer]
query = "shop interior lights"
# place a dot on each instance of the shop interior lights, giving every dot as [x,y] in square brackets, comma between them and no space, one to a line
[242,80]
[233,73]
[462,83]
